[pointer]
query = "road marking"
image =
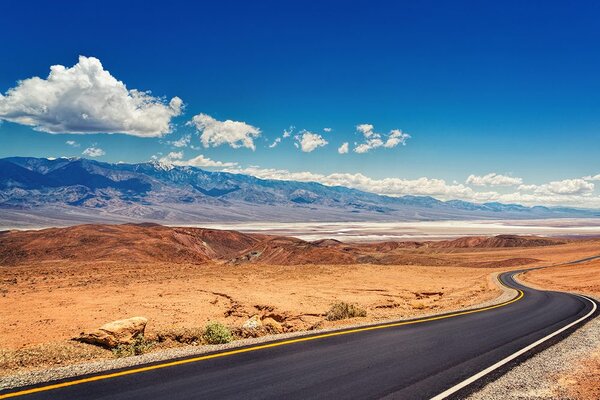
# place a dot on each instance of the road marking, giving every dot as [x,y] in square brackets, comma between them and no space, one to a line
[254,348]
[508,359]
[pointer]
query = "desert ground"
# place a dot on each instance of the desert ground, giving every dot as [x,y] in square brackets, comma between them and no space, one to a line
[584,278]
[57,283]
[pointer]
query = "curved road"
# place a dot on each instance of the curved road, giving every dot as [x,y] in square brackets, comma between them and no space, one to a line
[409,360]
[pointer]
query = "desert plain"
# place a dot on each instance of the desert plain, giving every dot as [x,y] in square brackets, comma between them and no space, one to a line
[57,283]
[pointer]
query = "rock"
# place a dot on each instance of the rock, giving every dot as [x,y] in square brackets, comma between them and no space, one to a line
[115,333]
[279,317]
[253,323]
[272,325]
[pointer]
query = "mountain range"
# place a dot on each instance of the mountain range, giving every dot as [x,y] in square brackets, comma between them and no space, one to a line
[64,191]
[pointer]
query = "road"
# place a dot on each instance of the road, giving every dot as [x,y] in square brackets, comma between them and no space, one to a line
[417,360]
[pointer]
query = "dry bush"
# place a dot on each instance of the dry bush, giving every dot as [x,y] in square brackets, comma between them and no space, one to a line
[343,310]
[139,346]
[217,333]
[181,335]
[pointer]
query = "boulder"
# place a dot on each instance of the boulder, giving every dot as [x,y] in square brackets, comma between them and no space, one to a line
[253,323]
[116,333]
[272,325]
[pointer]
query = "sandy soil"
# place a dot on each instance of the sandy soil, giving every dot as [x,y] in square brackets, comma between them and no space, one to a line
[584,380]
[582,278]
[55,302]
[43,305]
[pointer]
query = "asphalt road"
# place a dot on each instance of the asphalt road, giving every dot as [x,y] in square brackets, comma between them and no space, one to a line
[410,361]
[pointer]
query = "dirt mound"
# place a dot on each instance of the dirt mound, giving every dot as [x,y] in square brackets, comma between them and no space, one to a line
[499,241]
[507,263]
[128,243]
[291,251]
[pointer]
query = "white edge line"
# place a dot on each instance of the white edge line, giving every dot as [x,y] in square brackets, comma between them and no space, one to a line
[508,359]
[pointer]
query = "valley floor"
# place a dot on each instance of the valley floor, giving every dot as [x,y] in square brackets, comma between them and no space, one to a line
[43,305]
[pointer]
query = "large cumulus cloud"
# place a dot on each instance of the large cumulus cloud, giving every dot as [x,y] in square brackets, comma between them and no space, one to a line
[86,98]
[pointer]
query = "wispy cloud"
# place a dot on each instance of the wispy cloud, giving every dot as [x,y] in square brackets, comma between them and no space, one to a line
[183,141]
[72,143]
[93,152]
[275,142]
[592,178]
[176,158]
[286,134]
[493,179]
[373,140]
[343,149]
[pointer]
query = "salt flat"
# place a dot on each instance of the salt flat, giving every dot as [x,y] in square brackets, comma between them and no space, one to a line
[416,230]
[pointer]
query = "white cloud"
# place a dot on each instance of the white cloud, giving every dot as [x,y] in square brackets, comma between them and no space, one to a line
[183,141]
[288,132]
[93,152]
[176,158]
[275,142]
[366,130]
[343,149]
[387,186]
[372,143]
[215,133]
[201,161]
[87,99]
[424,186]
[374,140]
[592,178]
[172,156]
[309,141]
[72,143]
[565,187]
[395,138]
[327,130]
[493,179]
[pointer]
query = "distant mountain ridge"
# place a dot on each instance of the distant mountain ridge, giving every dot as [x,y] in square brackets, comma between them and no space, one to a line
[73,190]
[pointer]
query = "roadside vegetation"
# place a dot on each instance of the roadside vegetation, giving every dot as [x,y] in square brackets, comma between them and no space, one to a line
[139,346]
[343,310]
[217,333]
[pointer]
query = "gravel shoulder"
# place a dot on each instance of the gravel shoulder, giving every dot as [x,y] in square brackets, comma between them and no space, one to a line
[566,370]
[36,377]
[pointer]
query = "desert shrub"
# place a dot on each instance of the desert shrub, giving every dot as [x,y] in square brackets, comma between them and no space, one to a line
[217,333]
[139,346]
[181,335]
[343,310]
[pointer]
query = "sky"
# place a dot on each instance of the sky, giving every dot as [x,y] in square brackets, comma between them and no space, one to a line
[479,101]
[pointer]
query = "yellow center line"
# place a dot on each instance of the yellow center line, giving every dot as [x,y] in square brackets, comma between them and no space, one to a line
[253,348]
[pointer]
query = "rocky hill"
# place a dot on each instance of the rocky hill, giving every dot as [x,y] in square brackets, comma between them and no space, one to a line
[147,243]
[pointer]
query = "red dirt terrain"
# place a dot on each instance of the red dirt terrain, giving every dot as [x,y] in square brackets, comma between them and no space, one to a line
[495,242]
[128,242]
[156,243]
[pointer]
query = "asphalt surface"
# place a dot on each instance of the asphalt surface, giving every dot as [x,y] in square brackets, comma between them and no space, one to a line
[416,361]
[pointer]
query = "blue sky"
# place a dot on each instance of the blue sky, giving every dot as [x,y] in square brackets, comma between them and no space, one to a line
[509,88]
